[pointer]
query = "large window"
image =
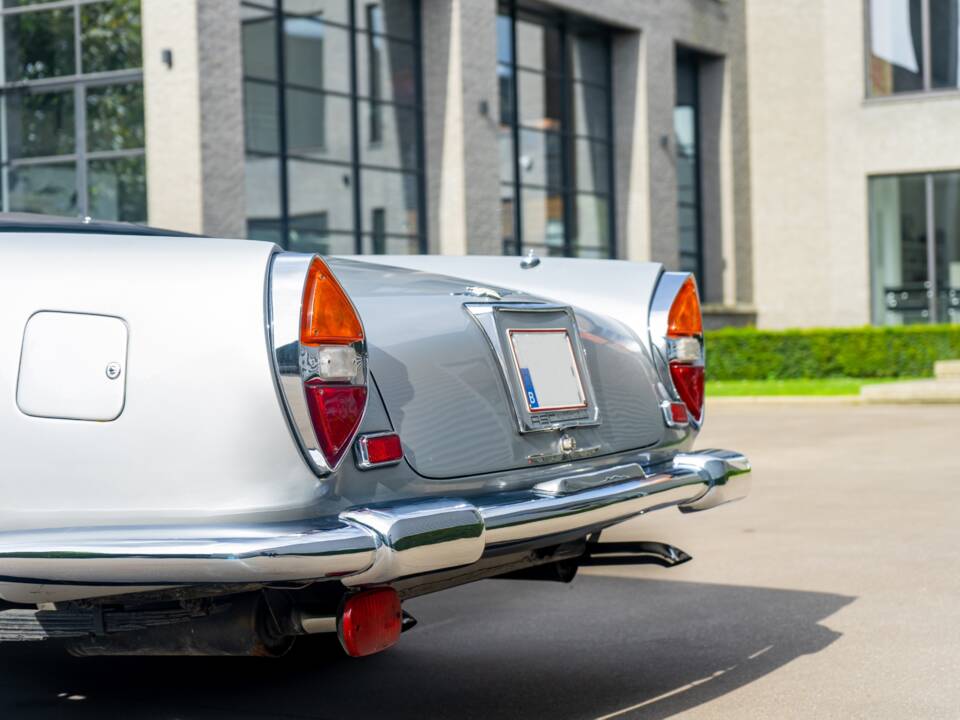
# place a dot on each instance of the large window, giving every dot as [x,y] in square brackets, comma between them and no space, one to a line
[915,248]
[332,109]
[71,109]
[686,131]
[914,45]
[556,159]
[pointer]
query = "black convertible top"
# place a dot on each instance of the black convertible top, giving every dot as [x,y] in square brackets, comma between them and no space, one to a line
[30,222]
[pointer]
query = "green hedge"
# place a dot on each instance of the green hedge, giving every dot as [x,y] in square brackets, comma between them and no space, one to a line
[750,354]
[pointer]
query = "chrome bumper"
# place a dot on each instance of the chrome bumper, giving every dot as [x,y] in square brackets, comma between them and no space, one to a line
[371,544]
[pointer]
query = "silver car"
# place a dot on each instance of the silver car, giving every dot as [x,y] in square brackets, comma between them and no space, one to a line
[216,447]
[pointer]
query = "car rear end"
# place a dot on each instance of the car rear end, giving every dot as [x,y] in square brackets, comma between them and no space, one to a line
[443,431]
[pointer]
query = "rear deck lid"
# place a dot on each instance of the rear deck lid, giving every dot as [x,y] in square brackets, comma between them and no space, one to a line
[477,385]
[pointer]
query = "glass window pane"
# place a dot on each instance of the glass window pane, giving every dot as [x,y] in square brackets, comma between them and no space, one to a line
[39,44]
[507,233]
[40,123]
[308,130]
[541,158]
[504,40]
[507,163]
[896,54]
[390,245]
[115,117]
[590,58]
[259,40]
[539,46]
[334,11]
[898,238]
[392,17]
[309,233]
[267,230]
[591,228]
[505,89]
[321,189]
[388,135]
[261,117]
[592,164]
[542,218]
[591,111]
[117,189]
[110,36]
[48,189]
[398,195]
[540,100]
[316,55]
[386,70]
[945,43]
[263,192]
[306,238]
[946,204]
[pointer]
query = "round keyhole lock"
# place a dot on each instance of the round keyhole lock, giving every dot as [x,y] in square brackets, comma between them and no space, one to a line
[113,370]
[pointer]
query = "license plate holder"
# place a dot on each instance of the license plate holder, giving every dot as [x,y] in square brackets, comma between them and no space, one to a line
[538,347]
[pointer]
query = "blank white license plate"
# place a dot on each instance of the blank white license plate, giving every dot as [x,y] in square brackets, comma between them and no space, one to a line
[547,369]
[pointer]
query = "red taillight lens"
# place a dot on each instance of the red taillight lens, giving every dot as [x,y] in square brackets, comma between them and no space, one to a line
[379,449]
[336,411]
[688,380]
[332,359]
[370,621]
[685,340]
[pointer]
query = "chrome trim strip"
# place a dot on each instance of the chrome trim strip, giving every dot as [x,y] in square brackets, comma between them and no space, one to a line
[368,544]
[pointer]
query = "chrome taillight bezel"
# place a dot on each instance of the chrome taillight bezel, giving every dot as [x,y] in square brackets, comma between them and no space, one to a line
[666,349]
[291,360]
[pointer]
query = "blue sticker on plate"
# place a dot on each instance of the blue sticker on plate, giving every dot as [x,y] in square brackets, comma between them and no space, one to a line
[528,389]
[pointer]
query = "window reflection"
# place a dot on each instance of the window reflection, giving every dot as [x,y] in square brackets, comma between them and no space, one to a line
[901,46]
[77,55]
[904,239]
[945,43]
[333,135]
[686,129]
[555,145]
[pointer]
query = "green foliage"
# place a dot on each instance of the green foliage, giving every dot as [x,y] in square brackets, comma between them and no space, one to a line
[868,352]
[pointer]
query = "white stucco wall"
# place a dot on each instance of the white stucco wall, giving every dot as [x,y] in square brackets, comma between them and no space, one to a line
[815,140]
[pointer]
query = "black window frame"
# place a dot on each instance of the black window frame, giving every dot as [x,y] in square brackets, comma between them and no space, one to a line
[358,31]
[567,24]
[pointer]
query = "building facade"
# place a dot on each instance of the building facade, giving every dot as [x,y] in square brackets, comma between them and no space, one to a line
[616,128]
[855,161]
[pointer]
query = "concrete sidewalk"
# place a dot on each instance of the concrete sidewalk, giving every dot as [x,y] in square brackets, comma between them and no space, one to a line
[943,387]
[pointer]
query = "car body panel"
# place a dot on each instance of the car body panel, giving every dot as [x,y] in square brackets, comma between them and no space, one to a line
[201,472]
[446,393]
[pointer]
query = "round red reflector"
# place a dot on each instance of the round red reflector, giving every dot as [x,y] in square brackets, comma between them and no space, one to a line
[370,621]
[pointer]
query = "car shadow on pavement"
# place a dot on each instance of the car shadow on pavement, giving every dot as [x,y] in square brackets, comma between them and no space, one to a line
[601,647]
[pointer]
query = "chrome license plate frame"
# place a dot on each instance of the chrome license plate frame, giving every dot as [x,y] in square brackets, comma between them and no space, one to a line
[499,322]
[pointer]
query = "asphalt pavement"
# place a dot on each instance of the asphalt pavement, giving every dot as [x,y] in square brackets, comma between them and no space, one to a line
[833,591]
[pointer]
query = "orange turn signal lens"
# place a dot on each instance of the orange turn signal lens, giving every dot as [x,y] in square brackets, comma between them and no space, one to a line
[684,318]
[328,317]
